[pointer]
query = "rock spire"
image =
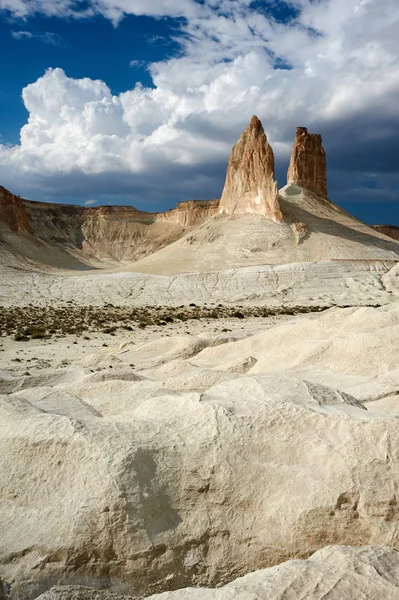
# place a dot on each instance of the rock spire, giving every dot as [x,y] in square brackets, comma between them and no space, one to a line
[308,163]
[250,185]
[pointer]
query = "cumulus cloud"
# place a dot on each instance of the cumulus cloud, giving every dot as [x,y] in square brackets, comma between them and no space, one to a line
[90,202]
[333,66]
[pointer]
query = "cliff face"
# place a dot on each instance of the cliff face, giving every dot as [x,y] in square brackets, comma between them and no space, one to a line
[308,166]
[12,211]
[123,232]
[101,233]
[391,231]
[191,213]
[250,185]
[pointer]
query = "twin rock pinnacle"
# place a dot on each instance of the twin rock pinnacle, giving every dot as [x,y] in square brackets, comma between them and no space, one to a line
[250,186]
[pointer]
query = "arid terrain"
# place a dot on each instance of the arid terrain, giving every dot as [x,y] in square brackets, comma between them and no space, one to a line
[201,403]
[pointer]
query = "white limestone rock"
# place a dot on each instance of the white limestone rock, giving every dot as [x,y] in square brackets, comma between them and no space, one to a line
[336,573]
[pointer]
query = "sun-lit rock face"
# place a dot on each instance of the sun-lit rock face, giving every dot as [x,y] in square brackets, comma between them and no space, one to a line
[308,163]
[12,211]
[250,185]
[190,213]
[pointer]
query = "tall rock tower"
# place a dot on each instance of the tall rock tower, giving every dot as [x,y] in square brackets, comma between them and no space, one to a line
[308,167]
[250,185]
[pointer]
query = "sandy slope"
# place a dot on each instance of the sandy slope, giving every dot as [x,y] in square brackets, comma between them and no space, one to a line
[330,234]
[314,229]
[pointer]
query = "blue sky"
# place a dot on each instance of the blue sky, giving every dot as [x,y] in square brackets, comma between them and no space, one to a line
[92,48]
[139,102]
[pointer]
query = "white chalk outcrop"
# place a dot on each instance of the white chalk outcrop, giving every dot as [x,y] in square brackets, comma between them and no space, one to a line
[336,573]
[211,457]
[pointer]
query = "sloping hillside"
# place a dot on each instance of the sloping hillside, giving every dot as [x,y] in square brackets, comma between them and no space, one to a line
[314,229]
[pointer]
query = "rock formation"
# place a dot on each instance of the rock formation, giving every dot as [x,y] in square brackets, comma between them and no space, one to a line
[250,185]
[299,230]
[100,233]
[181,471]
[190,213]
[12,211]
[336,573]
[308,163]
[391,231]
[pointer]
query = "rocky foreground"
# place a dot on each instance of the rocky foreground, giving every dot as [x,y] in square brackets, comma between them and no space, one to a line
[192,458]
[334,572]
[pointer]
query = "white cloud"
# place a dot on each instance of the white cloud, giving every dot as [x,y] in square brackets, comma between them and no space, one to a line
[111,9]
[20,35]
[344,69]
[47,37]
[135,64]
[90,202]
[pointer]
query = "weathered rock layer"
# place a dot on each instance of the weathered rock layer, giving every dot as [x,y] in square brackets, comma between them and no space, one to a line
[336,573]
[391,231]
[250,185]
[214,455]
[100,233]
[12,211]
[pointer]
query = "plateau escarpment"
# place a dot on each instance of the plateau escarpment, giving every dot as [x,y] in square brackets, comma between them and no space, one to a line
[12,212]
[92,235]
[391,231]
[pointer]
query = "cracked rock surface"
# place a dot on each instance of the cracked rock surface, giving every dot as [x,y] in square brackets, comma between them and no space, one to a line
[336,572]
[191,460]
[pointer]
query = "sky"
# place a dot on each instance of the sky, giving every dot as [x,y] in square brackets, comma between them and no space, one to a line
[138,102]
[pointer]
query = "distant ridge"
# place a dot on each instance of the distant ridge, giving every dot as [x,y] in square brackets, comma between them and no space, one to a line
[391,231]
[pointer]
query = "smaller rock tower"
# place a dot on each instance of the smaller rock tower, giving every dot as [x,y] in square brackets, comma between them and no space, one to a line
[308,167]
